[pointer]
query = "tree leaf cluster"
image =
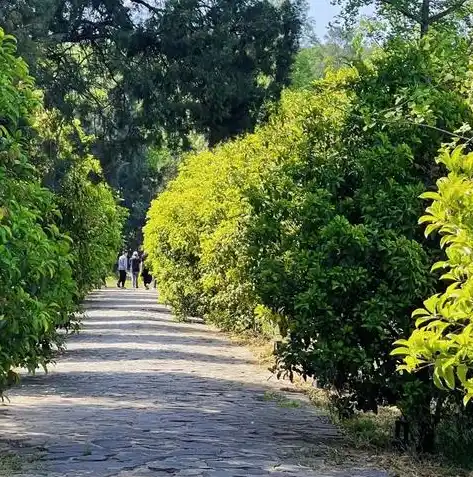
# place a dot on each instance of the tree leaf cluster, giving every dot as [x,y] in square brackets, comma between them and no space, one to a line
[443,334]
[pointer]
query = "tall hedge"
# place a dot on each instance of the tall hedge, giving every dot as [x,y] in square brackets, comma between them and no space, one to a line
[55,242]
[311,222]
[88,205]
[196,231]
[347,259]
[36,286]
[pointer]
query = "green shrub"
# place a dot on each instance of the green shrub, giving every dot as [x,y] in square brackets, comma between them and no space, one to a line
[441,344]
[195,235]
[335,245]
[36,290]
[192,237]
[56,242]
[443,334]
[89,212]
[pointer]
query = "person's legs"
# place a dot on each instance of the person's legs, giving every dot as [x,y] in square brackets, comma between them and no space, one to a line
[146,280]
[122,279]
[135,279]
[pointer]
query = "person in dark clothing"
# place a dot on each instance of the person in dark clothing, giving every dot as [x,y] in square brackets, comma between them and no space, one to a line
[135,265]
[147,278]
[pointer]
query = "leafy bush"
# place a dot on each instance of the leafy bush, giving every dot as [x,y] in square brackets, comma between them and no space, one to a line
[36,289]
[88,206]
[444,327]
[441,342]
[195,236]
[335,244]
[55,242]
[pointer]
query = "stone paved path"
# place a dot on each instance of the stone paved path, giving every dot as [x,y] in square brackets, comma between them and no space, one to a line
[139,395]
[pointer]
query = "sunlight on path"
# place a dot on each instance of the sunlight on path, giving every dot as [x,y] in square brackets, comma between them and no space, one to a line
[139,395]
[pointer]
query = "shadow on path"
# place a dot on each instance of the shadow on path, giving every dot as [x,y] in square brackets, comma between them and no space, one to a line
[138,395]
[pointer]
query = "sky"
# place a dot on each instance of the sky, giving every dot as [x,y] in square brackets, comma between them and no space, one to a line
[322,11]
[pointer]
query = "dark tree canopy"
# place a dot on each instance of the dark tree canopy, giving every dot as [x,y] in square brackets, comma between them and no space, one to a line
[222,60]
[140,73]
[185,64]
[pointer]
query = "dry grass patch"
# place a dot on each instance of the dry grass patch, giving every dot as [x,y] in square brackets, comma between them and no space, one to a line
[369,438]
[261,347]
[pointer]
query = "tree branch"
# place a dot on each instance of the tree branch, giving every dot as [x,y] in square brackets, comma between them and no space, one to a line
[151,8]
[447,11]
[402,10]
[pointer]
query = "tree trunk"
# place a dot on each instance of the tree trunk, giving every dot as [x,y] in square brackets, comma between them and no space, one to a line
[424,17]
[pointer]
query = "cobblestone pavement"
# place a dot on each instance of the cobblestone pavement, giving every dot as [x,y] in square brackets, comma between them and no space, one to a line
[140,395]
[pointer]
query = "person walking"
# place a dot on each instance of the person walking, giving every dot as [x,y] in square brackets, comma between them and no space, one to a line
[145,274]
[135,264]
[122,268]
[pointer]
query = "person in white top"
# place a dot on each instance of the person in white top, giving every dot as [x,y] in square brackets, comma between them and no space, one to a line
[135,268]
[122,268]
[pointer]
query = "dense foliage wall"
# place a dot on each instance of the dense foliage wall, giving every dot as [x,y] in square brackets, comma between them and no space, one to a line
[41,251]
[311,223]
[195,236]
[36,289]
[354,259]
